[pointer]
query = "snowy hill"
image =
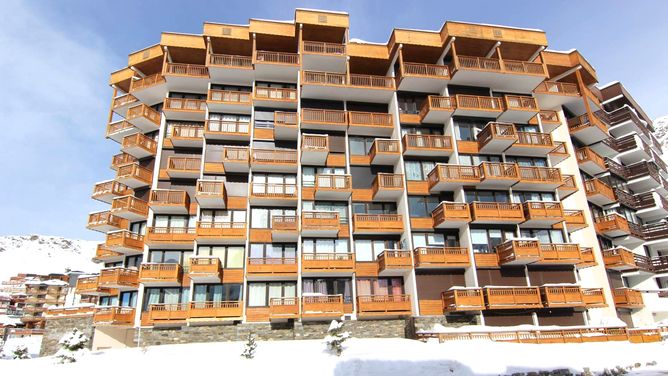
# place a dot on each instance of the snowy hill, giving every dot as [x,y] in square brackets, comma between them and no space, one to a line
[661,126]
[44,254]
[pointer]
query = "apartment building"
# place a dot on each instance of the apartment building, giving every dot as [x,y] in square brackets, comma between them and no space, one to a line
[282,171]
[32,294]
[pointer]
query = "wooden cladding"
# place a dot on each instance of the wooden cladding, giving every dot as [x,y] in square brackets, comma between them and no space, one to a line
[378,223]
[151,273]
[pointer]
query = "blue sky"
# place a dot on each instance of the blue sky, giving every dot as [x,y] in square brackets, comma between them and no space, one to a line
[55,59]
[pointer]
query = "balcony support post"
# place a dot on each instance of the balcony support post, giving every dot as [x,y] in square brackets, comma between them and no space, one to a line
[494,49]
[446,50]
[567,73]
[535,54]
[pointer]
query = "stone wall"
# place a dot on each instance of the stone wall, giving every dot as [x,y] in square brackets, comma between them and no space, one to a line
[56,327]
[415,324]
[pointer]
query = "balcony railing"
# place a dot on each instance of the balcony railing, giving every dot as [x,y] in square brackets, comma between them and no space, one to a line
[542,210]
[139,140]
[322,306]
[119,126]
[229,96]
[119,277]
[136,172]
[463,299]
[496,131]
[286,119]
[518,251]
[234,230]
[124,240]
[215,309]
[378,222]
[380,305]
[333,181]
[437,104]
[557,88]
[143,111]
[314,142]
[540,174]
[424,70]
[105,218]
[334,117]
[275,156]
[365,119]
[121,159]
[184,164]
[170,234]
[283,308]
[123,100]
[271,266]
[211,188]
[550,117]
[521,103]
[497,211]
[370,81]
[273,57]
[323,48]
[441,257]
[332,262]
[424,141]
[159,313]
[512,297]
[593,297]
[449,212]
[183,104]
[274,190]
[189,70]
[535,139]
[394,259]
[497,65]
[160,273]
[560,253]
[146,82]
[320,220]
[627,298]
[114,315]
[562,296]
[168,197]
[129,204]
[233,61]
[475,102]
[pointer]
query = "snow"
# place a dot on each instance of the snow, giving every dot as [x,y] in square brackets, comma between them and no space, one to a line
[6,320]
[44,254]
[360,357]
[362,41]
[601,87]
[32,342]
[661,132]
[438,328]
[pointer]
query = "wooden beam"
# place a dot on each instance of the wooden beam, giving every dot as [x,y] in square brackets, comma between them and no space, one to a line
[493,49]
[567,73]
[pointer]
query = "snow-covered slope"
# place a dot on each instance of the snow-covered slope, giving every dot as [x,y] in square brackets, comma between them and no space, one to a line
[44,254]
[661,126]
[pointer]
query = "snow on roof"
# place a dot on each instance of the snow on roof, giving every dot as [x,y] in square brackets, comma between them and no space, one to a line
[9,321]
[561,51]
[278,21]
[224,23]
[323,10]
[361,41]
[495,25]
[50,282]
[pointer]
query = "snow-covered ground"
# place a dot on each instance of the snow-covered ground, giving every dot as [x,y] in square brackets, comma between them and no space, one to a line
[361,357]
[44,254]
[33,343]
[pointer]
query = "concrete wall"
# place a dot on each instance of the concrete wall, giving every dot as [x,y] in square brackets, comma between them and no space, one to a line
[56,327]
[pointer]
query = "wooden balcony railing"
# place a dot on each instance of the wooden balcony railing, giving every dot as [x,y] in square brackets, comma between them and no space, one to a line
[275,93]
[366,119]
[233,61]
[549,117]
[377,222]
[478,63]
[141,141]
[103,253]
[184,164]
[88,285]
[134,171]
[520,102]
[283,308]
[155,272]
[370,81]
[129,204]
[125,239]
[437,103]
[387,181]
[497,211]
[216,309]
[186,131]
[273,57]
[119,277]
[535,139]
[184,104]
[229,230]
[562,296]
[448,172]
[324,78]
[611,223]
[494,130]
[229,96]
[584,121]
[426,141]
[323,48]
[536,174]
[119,126]
[236,154]
[315,142]
[121,159]
[619,258]
[105,218]
[190,70]
[596,186]
[205,265]
[442,257]
[497,170]
[158,313]
[512,297]
[575,219]
[333,181]
[560,253]
[145,112]
[593,297]
[114,315]
[170,234]
[146,82]
[627,298]
[274,190]
[463,299]
[521,251]
[543,210]
[285,119]
[334,117]
[328,262]
[655,231]
[320,220]
[557,88]
[370,305]
[451,211]
[476,102]
[424,70]
[284,223]
[123,100]
[271,266]
[586,154]
[394,259]
[274,156]
[169,197]
[322,306]
[211,188]
[382,146]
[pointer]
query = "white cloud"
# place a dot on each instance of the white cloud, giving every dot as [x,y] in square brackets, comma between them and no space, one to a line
[53,106]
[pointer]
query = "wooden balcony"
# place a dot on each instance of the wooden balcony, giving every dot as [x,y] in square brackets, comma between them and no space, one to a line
[328,263]
[496,212]
[236,159]
[186,135]
[121,159]
[323,48]
[236,69]
[273,194]
[588,129]
[154,274]
[330,186]
[323,56]
[167,314]
[271,267]
[383,305]
[122,316]
[104,254]
[620,259]
[463,300]
[183,167]
[498,175]
[119,278]
[69,311]
[119,129]
[549,119]
[437,109]
[232,101]
[125,242]
[275,57]
[599,193]
[205,269]
[427,145]
[130,208]
[612,225]
[575,220]
[210,193]
[370,124]
[320,223]
[496,137]
[355,87]
[220,310]
[540,214]
[170,237]
[552,94]
[518,252]
[627,298]
[322,307]
[105,221]
[562,296]
[274,160]
[539,178]
[588,258]
[447,177]
[593,297]
[558,154]
[286,125]
[379,224]
[394,262]
[167,201]
[536,144]
[275,97]
[560,254]
[144,118]
[590,162]
[451,215]
[431,78]
[285,228]
[221,232]
[519,108]
[387,187]
[503,74]
[149,89]
[324,119]
[139,146]
[512,297]
[315,149]
[186,77]
[122,102]
[90,286]
[441,257]
[134,176]
[475,105]
[184,109]
[283,308]
[568,187]
[385,152]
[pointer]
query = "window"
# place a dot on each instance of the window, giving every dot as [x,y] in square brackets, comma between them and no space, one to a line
[223,216]
[260,293]
[261,217]
[133,261]
[128,299]
[138,227]
[225,292]
[418,170]
[264,119]
[229,123]
[309,173]
[107,301]
[231,257]
[368,250]
[421,130]
[380,286]
[174,221]
[410,105]
[430,239]
[329,286]
[484,240]
[245,89]
[325,246]
[533,196]
[165,295]
[374,208]
[467,129]
[476,159]
[341,207]
[422,206]
[272,251]
[360,145]
[486,196]
[528,161]
[544,236]
[170,257]
[526,128]
[274,184]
